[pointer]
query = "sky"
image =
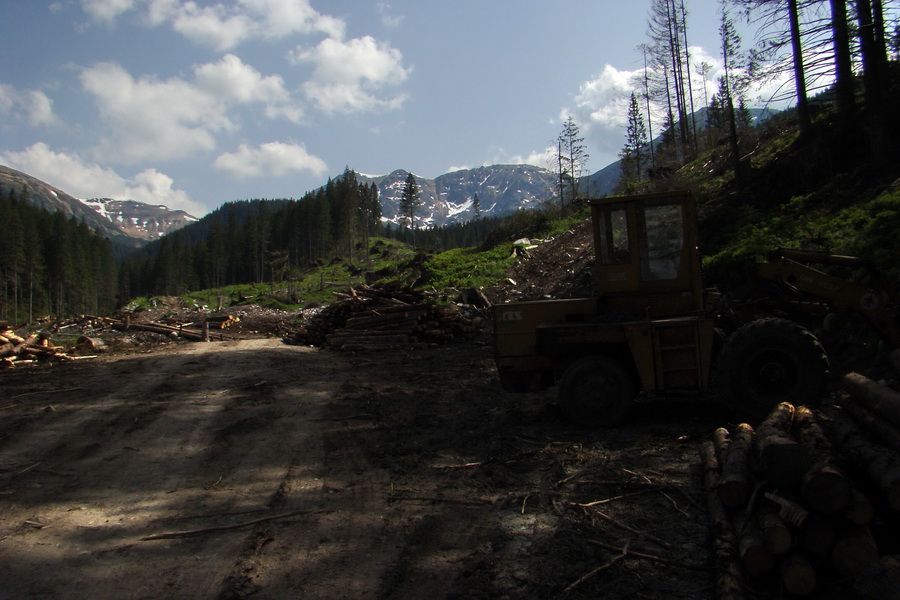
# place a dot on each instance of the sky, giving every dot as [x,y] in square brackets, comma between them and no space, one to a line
[192,104]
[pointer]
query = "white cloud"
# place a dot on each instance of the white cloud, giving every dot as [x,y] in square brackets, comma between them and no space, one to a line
[269,159]
[348,75]
[233,80]
[153,119]
[226,24]
[82,179]
[32,106]
[148,118]
[601,107]
[107,10]
[546,158]
[387,19]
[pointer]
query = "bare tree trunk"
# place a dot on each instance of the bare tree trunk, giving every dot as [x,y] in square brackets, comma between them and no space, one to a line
[799,75]
[843,63]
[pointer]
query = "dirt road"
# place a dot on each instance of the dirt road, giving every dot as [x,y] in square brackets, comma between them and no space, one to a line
[314,474]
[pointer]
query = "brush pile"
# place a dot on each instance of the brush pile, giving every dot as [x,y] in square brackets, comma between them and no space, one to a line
[809,499]
[387,317]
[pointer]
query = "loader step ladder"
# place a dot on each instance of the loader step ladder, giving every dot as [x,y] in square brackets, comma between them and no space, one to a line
[676,347]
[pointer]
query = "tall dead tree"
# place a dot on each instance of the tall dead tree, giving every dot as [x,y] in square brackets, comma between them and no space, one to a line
[670,68]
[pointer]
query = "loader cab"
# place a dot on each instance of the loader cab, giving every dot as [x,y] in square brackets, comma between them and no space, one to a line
[646,254]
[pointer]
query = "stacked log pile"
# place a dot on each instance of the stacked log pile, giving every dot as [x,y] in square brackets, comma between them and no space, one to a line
[15,349]
[809,499]
[388,317]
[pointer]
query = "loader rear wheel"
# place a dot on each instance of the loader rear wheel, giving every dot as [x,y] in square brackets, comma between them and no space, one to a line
[769,361]
[596,391]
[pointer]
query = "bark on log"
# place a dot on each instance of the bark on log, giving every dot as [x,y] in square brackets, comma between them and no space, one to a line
[798,574]
[781,457]
[880,464]
[728,582]
[825,488]
[736,483]
[881,399]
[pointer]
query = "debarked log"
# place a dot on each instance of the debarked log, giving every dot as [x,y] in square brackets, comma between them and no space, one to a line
[883,400]
[736,483]
[781,457]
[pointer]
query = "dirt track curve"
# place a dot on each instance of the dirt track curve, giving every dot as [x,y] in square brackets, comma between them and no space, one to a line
[315,474]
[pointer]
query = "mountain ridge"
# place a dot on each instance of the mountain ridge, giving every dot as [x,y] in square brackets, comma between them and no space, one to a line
[124,221]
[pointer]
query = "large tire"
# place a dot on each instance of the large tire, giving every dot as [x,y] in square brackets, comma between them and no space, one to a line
[769,361]
[597,391]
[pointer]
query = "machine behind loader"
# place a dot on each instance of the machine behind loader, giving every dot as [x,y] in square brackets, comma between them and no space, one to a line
[653,326]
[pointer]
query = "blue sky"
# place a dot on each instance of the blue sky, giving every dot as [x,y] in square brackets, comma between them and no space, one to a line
[195,103]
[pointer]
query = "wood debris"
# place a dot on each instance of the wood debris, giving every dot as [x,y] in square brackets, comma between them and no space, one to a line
[16,349]
[817,499]
[387,317]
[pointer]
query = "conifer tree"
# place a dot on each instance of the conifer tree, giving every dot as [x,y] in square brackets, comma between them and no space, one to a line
[410,200]
[634,154]
[571,160]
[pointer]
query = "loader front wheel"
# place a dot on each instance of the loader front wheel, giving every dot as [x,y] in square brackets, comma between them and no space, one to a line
[596,391]
[769,361]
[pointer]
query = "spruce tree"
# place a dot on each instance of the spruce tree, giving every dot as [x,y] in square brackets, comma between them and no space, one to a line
[410,200]
[634,154]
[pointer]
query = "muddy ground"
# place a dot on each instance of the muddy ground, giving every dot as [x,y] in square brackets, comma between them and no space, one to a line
[294,472]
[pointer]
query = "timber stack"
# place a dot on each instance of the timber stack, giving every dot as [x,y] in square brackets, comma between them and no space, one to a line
[809,500]
[386,317]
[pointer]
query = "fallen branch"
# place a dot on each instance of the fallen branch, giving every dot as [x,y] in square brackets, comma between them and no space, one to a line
[620,497]
[636,554]
[193,532]
[631,529]
[604,566]
[350,418]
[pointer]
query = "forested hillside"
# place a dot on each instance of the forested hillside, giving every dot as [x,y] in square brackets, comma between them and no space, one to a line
[271,241]
[51,264]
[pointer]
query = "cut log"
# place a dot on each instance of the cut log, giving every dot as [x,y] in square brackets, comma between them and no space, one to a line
[756,557]
[881,399]
[797,574]
[728,582]
[91,344]
[859,510]
[825,488]
[781,457]
[880,464]
[887,434]
[736,483]
[855,551]
[721,440]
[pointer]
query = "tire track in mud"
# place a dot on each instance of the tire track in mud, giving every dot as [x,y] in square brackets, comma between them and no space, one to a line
[194,438]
